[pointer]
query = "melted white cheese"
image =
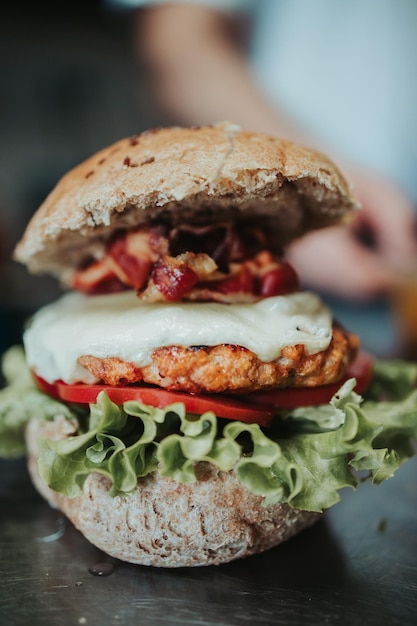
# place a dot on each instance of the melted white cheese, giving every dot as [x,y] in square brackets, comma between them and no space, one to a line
[120,325]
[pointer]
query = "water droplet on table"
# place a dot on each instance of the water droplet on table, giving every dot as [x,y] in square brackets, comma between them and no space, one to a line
[101,569]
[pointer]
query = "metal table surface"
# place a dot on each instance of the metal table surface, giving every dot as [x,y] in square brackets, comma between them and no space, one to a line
[357,565]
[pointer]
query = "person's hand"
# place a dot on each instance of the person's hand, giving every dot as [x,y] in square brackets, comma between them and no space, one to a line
[366,259]
[215,83]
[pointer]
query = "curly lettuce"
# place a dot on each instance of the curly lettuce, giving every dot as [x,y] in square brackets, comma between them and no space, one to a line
[305,459]
[20,400]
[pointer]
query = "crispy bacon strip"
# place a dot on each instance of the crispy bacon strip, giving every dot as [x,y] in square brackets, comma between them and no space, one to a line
[132,255]
[249,281]
[173,277]
[97,278]
[200,263]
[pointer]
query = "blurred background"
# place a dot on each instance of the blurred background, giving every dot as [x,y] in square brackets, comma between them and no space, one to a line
[72,84]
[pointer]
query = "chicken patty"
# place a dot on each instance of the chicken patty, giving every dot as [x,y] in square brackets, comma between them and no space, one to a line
[229,368]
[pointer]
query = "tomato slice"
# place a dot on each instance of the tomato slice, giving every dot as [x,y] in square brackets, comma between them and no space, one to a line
[226,407]
[293,397]
[48,388]
[257,407]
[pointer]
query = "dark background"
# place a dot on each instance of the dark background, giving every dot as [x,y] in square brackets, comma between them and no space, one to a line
[70,85]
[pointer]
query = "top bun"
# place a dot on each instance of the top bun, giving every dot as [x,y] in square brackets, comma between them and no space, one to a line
[183,175]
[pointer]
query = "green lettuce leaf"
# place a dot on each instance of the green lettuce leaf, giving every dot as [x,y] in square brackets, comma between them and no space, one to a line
[392,379]
[147,438]
[305,459]
[20,400]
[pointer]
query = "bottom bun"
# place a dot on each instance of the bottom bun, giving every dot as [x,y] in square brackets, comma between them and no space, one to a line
[163,523]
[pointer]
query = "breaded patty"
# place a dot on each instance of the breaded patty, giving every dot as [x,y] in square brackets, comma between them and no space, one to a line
[230,368]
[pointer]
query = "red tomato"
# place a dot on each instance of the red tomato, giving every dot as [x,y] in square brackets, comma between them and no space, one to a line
[48,388]
[279,281]
[257,407]
[242,282]
[226,407]
[294,397]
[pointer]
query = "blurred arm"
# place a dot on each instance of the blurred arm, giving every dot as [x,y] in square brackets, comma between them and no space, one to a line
[201,76]
[200,73]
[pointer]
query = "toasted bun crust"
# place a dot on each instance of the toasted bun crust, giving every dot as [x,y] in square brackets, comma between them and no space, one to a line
[184,175]
[168,524]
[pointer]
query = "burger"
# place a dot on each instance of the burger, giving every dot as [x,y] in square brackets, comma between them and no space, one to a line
[185,402]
